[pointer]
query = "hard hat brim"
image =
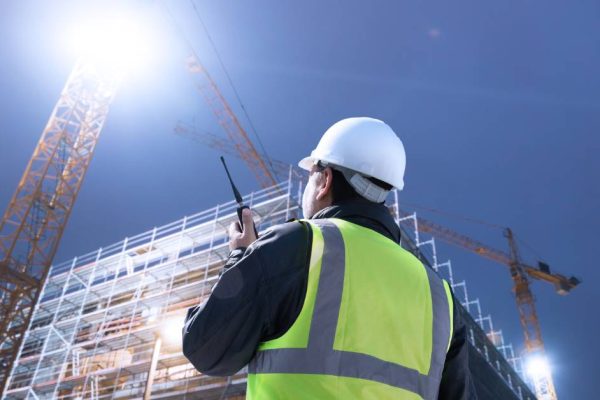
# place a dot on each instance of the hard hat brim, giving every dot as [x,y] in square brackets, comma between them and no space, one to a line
[306,163]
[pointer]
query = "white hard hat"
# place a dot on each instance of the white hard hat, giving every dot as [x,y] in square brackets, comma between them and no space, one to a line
[364,145]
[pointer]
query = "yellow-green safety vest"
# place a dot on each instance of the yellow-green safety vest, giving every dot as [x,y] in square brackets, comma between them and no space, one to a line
[375,324]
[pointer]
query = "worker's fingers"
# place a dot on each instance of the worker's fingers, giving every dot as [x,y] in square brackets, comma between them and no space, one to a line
[247,221]
[234,229]
[242,238]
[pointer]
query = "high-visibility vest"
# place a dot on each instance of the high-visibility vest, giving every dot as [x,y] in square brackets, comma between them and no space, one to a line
[375,324]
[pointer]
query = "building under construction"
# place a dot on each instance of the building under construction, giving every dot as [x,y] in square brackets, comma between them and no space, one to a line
[104,324]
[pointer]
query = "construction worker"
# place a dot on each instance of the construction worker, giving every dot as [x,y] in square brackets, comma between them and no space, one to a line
[331,307]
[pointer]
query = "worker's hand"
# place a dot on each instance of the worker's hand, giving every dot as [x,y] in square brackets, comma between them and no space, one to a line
[246,236]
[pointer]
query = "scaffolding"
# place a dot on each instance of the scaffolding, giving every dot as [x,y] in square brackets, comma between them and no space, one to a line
[96,330]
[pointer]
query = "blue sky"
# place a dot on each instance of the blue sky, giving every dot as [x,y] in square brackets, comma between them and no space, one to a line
[497,104]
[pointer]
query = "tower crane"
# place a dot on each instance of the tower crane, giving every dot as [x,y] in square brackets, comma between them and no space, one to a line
[34,221]
[521,273]
[37,214]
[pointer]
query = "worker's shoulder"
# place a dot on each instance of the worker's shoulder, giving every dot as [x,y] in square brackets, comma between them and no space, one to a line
[289,235]
[410,259]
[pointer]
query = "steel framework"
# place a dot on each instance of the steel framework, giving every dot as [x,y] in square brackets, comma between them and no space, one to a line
[95,328]
[36,216]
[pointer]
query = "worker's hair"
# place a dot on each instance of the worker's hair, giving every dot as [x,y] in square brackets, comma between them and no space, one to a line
[341,190]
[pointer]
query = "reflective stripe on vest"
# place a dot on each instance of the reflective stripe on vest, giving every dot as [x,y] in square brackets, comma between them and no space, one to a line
[320,358]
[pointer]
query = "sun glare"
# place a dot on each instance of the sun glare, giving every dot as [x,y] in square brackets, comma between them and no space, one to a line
[118,43]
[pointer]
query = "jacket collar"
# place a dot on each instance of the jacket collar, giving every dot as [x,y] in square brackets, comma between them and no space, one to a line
[375,216]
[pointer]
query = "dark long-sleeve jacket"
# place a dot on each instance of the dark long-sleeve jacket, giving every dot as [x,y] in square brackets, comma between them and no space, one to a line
[261,293]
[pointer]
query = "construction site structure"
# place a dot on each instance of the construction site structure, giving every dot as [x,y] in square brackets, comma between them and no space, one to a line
[101,326]
[36,216]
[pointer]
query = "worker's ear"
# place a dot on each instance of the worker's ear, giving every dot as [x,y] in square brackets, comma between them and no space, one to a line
[325,184]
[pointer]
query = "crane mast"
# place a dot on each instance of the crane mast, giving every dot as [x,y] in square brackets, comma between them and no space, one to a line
[524,297]
[37,214]
[543,383]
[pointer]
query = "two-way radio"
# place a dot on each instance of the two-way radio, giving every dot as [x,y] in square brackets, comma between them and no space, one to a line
[239,200]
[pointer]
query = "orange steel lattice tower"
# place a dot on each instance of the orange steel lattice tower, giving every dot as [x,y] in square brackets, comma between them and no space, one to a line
[36,216]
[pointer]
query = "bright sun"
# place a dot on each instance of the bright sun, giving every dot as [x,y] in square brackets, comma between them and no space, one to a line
[116,43]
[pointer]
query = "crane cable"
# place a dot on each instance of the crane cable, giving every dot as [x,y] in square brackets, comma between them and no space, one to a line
[214,47]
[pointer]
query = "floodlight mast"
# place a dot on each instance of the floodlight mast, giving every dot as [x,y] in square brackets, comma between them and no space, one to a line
[37,214]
